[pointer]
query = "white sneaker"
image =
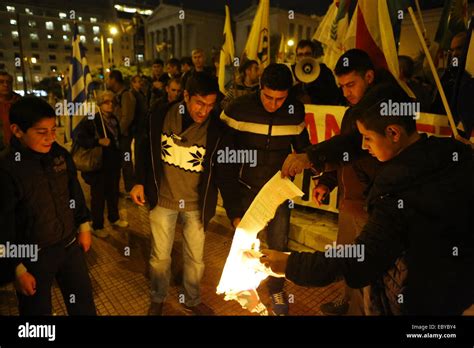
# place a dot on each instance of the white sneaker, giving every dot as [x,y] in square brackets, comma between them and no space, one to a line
[121,223]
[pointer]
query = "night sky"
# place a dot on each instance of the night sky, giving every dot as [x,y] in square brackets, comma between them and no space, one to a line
[318,7]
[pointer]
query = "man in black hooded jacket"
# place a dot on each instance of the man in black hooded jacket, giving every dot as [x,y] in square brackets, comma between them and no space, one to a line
[417,248]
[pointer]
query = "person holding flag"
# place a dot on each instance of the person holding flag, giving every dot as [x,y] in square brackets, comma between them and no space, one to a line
[258,42]
[79,80]
[227,55]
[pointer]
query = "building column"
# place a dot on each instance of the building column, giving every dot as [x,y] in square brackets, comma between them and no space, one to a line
[172,40]
[179,41]
[165,53]
[151,45]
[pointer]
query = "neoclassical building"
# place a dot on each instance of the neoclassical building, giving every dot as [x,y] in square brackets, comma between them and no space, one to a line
[173,31]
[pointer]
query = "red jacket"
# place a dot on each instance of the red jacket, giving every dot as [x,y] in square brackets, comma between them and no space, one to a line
[4,117]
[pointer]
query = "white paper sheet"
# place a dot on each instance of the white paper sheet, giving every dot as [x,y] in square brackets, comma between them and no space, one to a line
[243,272]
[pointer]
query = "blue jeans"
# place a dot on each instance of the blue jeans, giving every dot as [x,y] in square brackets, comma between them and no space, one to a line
[163,225]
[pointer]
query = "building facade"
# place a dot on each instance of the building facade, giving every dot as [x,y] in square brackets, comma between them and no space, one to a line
[172,31]
[47,31]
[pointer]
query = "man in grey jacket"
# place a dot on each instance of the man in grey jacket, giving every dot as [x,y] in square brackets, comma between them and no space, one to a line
[125,112]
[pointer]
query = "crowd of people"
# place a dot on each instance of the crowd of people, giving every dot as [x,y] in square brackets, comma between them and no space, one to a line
[402,195]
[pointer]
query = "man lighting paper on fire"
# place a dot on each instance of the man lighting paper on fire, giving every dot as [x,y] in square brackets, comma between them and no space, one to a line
[266,125]
[243,271]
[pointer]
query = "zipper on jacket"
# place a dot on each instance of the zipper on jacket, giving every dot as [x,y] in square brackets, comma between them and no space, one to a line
[152,160]
[209,179]
[270,126]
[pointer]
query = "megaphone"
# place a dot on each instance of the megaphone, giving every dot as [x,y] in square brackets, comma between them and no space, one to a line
[307,70]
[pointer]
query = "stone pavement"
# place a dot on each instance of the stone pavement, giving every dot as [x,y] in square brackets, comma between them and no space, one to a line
[118,267]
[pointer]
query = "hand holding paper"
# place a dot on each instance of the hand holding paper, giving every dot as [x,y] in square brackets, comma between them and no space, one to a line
[243,270]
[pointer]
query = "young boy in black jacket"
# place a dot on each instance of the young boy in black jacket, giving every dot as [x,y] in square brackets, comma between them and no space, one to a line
[417,246]
[42,210]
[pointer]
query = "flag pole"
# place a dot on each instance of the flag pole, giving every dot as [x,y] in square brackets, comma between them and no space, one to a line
[435,73]
[100,115]
[418,8]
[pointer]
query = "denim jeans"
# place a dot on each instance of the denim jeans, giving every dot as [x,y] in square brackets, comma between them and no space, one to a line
[163,225]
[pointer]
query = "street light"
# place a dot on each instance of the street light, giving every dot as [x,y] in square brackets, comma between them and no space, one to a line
[113,31]
[290,42]
[110,41]
[32,60]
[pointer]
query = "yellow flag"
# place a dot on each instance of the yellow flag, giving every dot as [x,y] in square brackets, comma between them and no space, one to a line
[258,42]
[281,50]
[227,53]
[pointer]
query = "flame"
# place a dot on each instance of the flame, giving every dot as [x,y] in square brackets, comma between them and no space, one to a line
[243,273]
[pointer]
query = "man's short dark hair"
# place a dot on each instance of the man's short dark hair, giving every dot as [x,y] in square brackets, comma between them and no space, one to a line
[4,73]
[158,61]
[354,60]
[27,111]
[306,43]
[187,60]
[369,110]
[201,83]
[246,65]
[174,62]
[135,77]
[277,77]
[116,75]
[174,79]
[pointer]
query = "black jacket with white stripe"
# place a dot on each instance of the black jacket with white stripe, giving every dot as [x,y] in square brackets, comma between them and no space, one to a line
[254,131]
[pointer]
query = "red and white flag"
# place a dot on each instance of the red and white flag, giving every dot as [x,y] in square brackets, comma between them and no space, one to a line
[371,30]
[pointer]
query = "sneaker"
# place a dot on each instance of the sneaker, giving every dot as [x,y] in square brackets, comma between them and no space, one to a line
[155,309]
[101,233]
[120,223]
[279,304]
[337,307]
[200,310]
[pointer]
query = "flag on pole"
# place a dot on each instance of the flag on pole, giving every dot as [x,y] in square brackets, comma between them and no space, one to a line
[462,101]
[78,81]
[332,31]
[226,58]
[281,50]
[371,30]
[453,20]
[258,42]
[395,9]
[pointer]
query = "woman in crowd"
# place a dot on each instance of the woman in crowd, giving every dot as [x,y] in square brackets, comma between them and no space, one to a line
[103,130]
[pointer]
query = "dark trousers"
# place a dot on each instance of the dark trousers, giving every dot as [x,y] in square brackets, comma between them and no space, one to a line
[277,237]
[68,266]
[105,188]
[127,166]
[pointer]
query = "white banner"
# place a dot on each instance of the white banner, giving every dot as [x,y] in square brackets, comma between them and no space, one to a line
[324,121]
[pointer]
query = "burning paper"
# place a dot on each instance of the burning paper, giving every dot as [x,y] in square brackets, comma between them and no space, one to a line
[243,271]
